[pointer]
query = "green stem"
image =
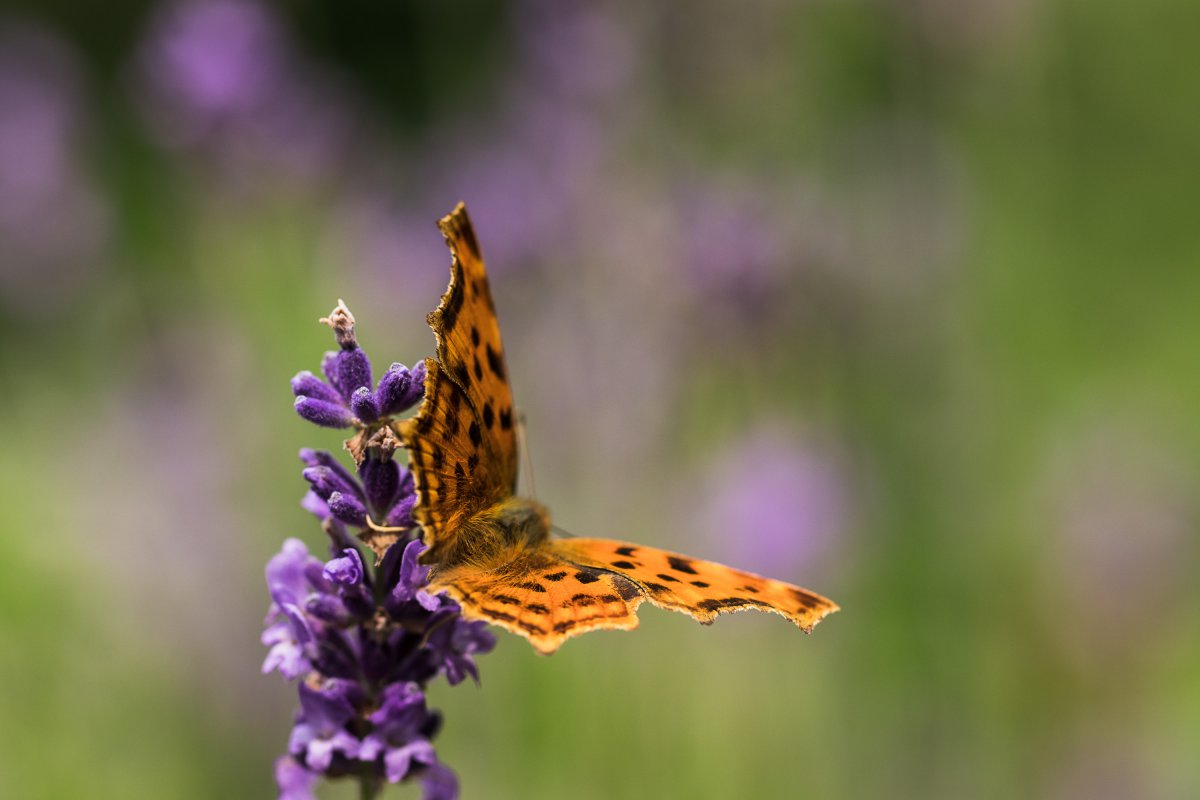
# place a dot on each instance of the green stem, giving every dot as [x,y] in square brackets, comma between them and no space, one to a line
[369,787]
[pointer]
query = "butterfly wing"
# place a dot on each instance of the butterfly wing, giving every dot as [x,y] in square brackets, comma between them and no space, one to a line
[543,597]
[702,589]
[462,442]
[570,586]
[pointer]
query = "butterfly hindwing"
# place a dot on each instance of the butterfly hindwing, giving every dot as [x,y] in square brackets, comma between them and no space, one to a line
[702,589]
[544,597]
[571,586]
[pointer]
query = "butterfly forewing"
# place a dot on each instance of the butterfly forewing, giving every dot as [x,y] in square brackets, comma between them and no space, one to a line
[462,442]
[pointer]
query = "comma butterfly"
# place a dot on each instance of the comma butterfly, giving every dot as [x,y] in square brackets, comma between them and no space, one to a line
[493,551]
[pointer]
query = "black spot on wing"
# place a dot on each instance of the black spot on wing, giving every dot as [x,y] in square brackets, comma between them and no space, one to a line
[681,565]
[586,577]
[668,578]
[626,551]
[624,564]
[489,416]
[555,576]
[495,363]
[506,419]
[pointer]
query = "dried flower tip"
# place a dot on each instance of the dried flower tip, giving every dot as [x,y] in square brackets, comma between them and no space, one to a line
[342,322]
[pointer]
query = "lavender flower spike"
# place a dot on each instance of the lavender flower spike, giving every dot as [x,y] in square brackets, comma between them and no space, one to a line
[345,398]
[362,638]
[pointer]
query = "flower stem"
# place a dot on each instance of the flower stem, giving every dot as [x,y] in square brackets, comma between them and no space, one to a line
[369,787]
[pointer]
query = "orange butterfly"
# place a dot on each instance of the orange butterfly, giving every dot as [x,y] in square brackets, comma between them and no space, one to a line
[491,550]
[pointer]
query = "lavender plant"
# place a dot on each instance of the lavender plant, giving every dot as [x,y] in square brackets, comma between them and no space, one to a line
[362,640]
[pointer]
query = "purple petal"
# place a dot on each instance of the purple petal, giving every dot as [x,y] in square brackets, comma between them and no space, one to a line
[347,370]
[346,570]
[285,573]
[286,654]
[362,403]
[294,781]
[399,388]
[320,412]
[397,761]
[348,509]
[305,384]
[381,482]
[439,783]
[327,709]
[319,750]
[412,575]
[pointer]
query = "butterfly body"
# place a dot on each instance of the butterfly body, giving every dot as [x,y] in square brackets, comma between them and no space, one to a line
[498,534]
[492,550]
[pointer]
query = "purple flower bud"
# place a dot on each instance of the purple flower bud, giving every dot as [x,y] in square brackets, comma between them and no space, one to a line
[362,403]
[323,458]
[325,481]
[381,482]
[329,608]
[399,388]
[347,370]
[305,384]
[315,505]
[347,570]
[402,711]
[401,514]
[348,509]
[320,412]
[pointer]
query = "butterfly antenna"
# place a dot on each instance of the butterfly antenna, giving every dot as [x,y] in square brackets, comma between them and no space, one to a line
[523,445]
[561,531]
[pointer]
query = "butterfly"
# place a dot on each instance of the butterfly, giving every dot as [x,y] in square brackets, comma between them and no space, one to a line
[492,550]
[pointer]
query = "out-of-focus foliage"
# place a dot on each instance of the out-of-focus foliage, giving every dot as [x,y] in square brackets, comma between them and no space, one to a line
[895,300]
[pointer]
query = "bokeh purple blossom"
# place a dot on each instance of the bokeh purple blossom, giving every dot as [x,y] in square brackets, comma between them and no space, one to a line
[362,641]
[223,78]
[54,223]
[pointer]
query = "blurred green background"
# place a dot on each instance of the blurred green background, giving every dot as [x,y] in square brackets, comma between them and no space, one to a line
[896,300]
